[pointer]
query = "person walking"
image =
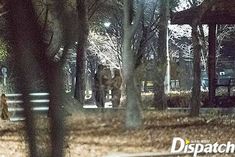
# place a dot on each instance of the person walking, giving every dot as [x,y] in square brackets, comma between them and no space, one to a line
[116,85]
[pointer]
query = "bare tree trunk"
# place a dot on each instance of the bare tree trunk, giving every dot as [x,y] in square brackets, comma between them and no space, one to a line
[204,48]
[83,31]
[133,111]
[195,107]
[161,60]
[196,92]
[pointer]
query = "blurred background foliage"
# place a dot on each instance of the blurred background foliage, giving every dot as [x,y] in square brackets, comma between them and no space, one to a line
[3,50]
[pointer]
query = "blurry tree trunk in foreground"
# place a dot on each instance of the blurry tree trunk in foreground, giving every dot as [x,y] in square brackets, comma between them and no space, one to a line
[133,111]
[161,58]
[83,30]
[30,51]
[22,31]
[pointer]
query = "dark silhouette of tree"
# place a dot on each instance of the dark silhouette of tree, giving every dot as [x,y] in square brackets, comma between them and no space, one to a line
[196,92]
[160,59]
[83,30]
[31,52]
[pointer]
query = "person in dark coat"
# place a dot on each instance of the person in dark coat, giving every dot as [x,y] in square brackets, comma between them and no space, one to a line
[103,80]
[116,85]
[99,89]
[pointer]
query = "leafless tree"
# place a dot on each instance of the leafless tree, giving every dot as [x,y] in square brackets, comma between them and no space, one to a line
[133,113]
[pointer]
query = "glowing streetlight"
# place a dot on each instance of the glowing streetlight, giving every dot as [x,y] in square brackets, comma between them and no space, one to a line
[107,24]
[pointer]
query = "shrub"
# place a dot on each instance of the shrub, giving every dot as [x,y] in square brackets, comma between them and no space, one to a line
[176,99]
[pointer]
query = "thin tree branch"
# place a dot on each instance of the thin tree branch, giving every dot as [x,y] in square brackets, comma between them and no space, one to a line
[3,13]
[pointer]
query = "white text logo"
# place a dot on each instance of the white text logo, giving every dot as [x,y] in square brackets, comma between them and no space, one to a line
[180,145]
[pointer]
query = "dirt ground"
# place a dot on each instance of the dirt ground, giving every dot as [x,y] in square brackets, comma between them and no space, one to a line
[95,134]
